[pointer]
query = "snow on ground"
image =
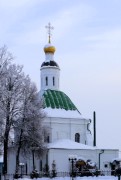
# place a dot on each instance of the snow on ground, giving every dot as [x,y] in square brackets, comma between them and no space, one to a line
[77,178]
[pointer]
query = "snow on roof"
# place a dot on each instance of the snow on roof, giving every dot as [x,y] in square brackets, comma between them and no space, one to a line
[68,144]
[107,148]
[91,163]
[62,113]
[116,159]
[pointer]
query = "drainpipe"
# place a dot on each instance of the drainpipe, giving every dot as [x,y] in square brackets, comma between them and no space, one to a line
[88,124]
[94,128]
[102,151]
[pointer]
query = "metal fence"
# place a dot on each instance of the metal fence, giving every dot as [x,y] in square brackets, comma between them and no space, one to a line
[57,174]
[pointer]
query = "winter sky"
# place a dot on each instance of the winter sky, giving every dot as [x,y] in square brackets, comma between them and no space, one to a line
[87,37]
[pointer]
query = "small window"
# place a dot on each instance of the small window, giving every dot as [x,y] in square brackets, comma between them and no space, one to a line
[53,81]
[46,81]
[77,137]
[40,165]
[47,139]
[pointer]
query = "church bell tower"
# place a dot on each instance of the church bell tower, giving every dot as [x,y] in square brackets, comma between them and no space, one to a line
[50,71]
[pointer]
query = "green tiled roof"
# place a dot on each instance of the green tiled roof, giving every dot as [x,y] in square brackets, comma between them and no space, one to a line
[57,100]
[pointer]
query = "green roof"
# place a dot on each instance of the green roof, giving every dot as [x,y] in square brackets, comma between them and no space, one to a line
[57,100]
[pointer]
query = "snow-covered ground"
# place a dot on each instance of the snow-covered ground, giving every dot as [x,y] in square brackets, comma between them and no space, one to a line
[82,178]
[77,178]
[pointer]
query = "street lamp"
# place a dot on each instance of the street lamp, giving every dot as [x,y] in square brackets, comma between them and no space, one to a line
[33,155]
[53,169]
[33,158]
[72,159]
[21,165]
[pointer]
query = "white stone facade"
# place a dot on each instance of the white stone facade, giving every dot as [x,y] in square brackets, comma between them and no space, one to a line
[61,157]
[50,78]
[66,128]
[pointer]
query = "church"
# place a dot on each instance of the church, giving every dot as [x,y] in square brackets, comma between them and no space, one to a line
[69,136]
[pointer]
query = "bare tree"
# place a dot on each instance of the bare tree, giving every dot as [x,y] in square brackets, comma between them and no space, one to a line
[29,130]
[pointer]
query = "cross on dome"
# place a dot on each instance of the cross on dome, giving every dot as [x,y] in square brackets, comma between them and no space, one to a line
[49,27]
[49,48]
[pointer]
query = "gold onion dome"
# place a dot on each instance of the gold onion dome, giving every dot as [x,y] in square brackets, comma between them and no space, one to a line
[49,48]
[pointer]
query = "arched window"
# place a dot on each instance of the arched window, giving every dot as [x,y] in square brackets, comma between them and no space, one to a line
[46,81]
[40,165]
[47,139]
[77,137]
[53,81]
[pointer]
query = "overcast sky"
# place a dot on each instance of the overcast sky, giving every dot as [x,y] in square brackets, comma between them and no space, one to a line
[87,37]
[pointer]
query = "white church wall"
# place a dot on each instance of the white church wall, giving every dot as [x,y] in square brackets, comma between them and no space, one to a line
[11,161]
[27,161]
[89,139]
[78,126]
[106,157]
[61,158]
[66,128]
[24,160]
[60,129]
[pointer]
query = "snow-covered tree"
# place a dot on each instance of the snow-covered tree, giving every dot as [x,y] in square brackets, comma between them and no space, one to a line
[10,99]
[5,99]
[5,60]
[18,102]
[29,130]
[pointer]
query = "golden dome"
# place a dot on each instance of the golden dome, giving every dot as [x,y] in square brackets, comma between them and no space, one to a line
[49,48]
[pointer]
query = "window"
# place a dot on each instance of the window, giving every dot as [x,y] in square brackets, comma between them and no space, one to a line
[46,81]
[53,81]
[46,139]
[77,137]
[40,165]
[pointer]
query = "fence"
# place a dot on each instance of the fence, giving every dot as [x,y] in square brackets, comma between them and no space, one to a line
[58,174]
